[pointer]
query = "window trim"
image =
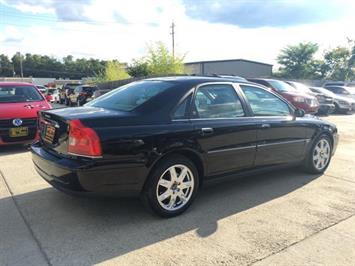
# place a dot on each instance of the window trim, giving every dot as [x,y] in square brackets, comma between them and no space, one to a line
[188,104]
[232,84]
[290,107]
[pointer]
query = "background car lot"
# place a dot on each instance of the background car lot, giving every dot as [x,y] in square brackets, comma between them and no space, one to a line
[279,218]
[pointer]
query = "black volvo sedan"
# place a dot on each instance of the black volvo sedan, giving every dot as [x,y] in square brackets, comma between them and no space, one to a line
[163,138]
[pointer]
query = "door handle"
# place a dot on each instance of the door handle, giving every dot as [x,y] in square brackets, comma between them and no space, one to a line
[206,131]
[265,126]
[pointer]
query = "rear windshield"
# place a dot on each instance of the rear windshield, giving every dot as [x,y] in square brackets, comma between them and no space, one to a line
[89,89]
[130,96]
[71,86]
[281,86]
[18,94]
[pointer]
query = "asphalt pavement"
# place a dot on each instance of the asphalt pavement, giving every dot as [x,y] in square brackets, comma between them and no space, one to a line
[281,218]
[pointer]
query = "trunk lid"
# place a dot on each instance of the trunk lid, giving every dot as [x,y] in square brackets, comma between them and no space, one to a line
[54,124]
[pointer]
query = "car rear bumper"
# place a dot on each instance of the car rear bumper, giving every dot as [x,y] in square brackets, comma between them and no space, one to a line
[88,177]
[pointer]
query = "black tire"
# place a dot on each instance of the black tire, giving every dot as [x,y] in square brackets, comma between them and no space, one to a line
[149,193]
[309,163]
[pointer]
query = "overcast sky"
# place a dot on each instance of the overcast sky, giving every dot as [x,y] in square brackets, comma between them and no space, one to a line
[205,29]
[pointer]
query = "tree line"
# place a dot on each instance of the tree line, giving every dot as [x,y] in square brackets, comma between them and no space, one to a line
[34,65]
[296,62]
[158,60]
[300,62]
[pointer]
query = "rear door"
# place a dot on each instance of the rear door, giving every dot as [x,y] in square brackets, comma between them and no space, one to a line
[225,135]
[280,137]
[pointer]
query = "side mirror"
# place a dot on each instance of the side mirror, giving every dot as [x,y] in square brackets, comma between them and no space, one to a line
[299,113]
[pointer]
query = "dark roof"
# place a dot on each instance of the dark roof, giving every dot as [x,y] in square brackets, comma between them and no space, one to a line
[195,80]
[227,60]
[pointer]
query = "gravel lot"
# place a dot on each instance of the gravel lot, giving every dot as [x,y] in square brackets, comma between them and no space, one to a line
[283,218]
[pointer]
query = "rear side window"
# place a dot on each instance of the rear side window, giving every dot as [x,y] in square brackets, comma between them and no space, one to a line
[130,96]
[217,101]
[264,103]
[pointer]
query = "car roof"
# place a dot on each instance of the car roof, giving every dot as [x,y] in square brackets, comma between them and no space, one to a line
[266,79]
[196,80]
[8,83]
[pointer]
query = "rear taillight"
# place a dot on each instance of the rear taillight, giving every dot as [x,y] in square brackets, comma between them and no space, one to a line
[83,141]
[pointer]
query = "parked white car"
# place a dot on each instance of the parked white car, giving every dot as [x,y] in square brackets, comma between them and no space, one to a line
[52,95]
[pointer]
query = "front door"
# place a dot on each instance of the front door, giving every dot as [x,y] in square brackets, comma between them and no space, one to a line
[280,138]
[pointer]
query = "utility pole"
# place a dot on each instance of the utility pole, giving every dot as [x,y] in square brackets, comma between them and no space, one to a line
[173,37]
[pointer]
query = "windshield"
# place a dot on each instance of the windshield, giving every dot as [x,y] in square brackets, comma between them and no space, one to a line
[301,87]
[129,97]
[324,91]
[18,94]
[52,91]
[281,86]
[351,90]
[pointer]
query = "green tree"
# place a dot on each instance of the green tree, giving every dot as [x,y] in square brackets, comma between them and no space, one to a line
[338,64]
[6,68]
[115,70]
[139,68]
[160,61]
[297,61]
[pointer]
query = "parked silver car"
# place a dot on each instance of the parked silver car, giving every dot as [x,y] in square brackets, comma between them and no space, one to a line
[342,104]
[342,91]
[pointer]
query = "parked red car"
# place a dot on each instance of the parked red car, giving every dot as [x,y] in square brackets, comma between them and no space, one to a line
[19,104]
[299,99]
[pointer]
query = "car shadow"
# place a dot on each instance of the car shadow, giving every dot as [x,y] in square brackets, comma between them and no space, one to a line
[89,231]
[13,149]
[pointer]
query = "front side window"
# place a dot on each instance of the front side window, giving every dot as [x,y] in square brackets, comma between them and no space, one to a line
[217,101]
[17,94]
[264,103]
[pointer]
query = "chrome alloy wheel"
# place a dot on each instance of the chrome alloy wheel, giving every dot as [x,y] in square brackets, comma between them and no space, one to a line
[321,154]
[175,187]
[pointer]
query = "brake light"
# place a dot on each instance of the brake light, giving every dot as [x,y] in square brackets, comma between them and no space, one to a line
[82,93]
[83,141]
